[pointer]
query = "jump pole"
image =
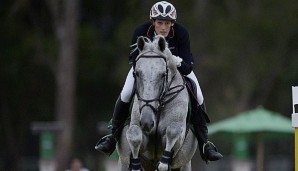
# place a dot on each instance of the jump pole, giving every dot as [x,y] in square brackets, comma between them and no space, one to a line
[295,122]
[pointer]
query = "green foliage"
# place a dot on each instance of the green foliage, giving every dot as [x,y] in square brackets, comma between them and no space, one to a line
[244,51]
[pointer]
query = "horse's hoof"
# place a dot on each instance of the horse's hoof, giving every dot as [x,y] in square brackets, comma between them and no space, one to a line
[163,167]
[165,162]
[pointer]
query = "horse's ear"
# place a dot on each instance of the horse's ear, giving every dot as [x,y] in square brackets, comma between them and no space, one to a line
[162,43]
[141,43]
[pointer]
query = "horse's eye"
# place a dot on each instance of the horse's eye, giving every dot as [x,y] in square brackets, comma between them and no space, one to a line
[163,75]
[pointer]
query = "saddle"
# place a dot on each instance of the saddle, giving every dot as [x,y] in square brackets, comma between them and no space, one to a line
[192,91]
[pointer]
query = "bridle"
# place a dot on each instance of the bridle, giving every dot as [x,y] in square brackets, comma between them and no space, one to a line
[167,93]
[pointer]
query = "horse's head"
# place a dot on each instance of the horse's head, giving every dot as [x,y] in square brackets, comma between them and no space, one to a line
[151,75]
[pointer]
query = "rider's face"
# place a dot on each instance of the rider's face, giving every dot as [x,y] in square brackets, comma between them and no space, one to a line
[162,27]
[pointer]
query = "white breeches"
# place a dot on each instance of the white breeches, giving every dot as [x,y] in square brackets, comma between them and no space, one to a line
[199,91]
[127,90]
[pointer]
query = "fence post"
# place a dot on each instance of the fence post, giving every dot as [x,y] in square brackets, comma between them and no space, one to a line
[295,122]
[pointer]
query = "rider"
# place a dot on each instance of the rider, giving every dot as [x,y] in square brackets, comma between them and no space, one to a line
[162,22]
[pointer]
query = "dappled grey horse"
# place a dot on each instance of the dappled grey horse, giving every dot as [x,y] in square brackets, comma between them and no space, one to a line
[157,137]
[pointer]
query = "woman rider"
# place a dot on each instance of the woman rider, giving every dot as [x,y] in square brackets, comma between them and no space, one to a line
[162,22]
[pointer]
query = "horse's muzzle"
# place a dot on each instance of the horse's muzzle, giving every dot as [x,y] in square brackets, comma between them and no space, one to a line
[147,119]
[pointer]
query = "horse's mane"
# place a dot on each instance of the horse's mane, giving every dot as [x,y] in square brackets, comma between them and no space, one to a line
[159,45]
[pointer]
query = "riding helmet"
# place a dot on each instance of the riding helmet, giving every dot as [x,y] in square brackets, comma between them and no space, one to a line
[164,11]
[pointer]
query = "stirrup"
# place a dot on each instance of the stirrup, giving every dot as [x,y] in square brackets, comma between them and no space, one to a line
[214,149]
[101,140]
[208,142]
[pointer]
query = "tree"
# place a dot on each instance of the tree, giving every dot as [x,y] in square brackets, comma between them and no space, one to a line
[65,22]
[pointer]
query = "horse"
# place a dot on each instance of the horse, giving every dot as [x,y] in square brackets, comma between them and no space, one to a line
[157,137]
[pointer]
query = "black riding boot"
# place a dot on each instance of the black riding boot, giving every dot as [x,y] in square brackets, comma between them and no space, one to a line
[207,149]
[107,144]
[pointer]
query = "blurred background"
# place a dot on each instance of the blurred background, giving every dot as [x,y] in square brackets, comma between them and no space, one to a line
[63,64]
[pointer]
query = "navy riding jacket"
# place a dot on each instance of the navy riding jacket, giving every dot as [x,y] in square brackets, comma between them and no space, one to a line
[178,43]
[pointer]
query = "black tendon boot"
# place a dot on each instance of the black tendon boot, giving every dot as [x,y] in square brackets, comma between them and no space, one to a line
[107,144]
[207,149]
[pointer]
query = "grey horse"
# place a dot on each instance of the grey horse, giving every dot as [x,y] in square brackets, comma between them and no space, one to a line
[157,137]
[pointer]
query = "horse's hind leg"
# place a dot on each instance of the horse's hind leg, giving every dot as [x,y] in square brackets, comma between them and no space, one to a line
[173,133]
[186,151]
[186,167]
[134,138]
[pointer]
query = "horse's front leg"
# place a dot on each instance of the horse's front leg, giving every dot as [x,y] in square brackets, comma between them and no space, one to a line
[134,138]
[173,134]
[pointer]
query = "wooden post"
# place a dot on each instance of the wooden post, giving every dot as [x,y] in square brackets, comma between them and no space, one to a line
[260,153]
[295,122]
